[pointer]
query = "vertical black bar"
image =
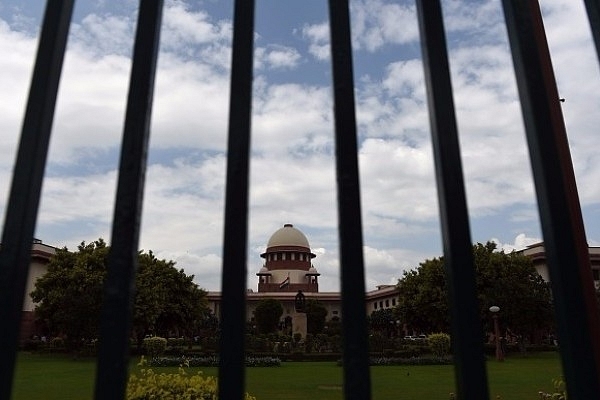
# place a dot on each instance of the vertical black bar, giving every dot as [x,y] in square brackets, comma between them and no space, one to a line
[113,354]
[467,342]
[357,382]
[558,201]
[24,199]
[233,284]
[593,11]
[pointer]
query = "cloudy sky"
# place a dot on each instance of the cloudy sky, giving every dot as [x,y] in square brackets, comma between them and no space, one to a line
[292,165]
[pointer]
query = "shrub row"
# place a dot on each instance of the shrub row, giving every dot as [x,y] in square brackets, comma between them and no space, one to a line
[380,361]
[411,361]
[210,362]
[490,348]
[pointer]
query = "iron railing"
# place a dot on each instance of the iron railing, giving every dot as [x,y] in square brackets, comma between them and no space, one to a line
[562,224]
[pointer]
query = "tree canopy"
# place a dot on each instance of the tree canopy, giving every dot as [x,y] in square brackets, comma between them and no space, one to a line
[508,281]
[316,313]
[382,319]
[267,315]
[69,295]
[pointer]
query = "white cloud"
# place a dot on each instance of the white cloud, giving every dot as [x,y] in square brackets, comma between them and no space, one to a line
[16,65]
[292,118]
[481,22]
[276,57]
[397,181]
[184,29]
[318,37]
[376,23]
[520,243]
[100,35]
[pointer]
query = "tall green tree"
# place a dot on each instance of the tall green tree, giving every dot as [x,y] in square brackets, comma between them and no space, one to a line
[423,298]
[267,315]
[383,320]
[316,313]
[167,301]
[69,295]
[506,280]
[511,282]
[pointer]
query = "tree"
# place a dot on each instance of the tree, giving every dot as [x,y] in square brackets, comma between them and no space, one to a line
[506,280]
[267,315]
[167,301]
[69,295]
[423,298]
[383,320]
[315,316]
[511,282]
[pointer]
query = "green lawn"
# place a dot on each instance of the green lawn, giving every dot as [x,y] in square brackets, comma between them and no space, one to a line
[49,378]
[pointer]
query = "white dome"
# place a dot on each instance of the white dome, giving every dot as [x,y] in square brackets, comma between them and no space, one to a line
[288,236]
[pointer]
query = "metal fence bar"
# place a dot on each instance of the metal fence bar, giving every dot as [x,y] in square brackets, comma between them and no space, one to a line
[466,327]
[24,199]
[116,314]
[357,383]
[233,278]
[593,11]
[560,214]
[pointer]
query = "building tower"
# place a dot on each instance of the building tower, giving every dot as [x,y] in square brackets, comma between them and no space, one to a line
[288,266]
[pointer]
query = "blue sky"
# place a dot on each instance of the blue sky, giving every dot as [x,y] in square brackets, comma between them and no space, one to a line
[292,166]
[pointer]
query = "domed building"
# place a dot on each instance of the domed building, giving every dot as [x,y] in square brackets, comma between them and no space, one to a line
[287,268]
[288,263]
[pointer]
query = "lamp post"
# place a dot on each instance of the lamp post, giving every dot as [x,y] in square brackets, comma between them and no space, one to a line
[499,354]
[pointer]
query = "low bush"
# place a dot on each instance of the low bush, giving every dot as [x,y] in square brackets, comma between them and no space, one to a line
[439,344]
[176,386]
[409,352]
[155,346]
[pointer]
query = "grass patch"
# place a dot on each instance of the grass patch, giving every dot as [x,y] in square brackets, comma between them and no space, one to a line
[518,378]
[53,377]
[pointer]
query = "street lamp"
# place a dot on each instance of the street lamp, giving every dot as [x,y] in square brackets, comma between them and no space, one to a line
[499,354]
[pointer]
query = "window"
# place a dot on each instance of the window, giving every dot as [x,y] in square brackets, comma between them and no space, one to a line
[375,305]
[596,273]
[393,302]
[387,303]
